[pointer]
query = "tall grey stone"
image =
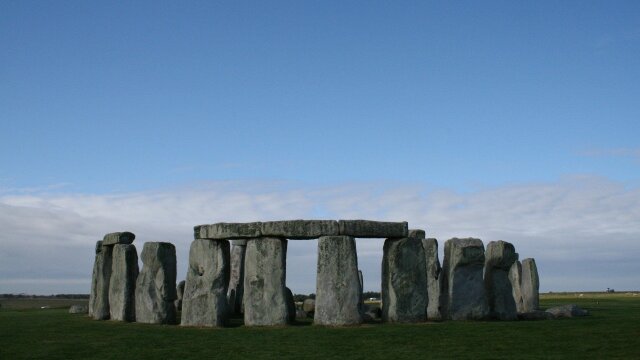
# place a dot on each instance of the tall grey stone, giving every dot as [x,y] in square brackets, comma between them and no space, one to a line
[236,282]
[337,286]
[102,275]
[265,296]
[205,293]
[463,285]
[94,278]
[515,277]
[180,295]
[404,281]
[499,258]
[361,283]
[122,286]
[156,285]
[434,279]
[530,285]
[291,305]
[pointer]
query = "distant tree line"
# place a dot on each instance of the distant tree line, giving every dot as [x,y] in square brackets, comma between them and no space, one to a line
[56,296]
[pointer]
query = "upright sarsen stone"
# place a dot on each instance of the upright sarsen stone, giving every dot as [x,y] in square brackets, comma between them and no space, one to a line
[463,285]
[122,286]
[102,275]
[404,281]
[180,294]
[434,279]
[515,277]
[530,286]
[499,258]
[265,295]
[337,284]
[204,302]
[156,285]
[236,282]
[94,278]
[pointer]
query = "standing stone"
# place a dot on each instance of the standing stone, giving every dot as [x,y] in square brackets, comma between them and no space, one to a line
[337,285]
[309,306]
[291,305]
[156,285]
[404,281]
[434,280]
[205,293]
[499,258]
[180,294]
[94,278]
[530,285]
[361,282]
[265,296]
[102,268]
[463,285]
[515,277]
[122,286]
[236,281]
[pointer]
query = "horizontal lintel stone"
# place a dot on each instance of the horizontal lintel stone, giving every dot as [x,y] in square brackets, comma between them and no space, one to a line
[118,238]
[373,229]
[300,229]
[221,231]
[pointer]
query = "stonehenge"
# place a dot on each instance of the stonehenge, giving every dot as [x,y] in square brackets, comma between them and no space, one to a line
[239,270]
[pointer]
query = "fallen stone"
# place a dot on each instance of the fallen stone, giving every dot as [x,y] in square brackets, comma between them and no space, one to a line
[567,311]
[416,233]
[300,229]
[309,305]
[265,298]
[404,281]
[156,284]
[499,258]
[530,285]
[463,285]
[118,238]
[337,286]
[515,277]
[101,278]
[535,315]
[371,313]
[122,286]
[236,281]
[222,231]
[434,279]
[94,279]
[373,229]
[180,294]
[204,302]
[291,305]
[78,309]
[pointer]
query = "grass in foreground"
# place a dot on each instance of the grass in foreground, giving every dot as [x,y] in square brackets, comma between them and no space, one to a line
[612,331]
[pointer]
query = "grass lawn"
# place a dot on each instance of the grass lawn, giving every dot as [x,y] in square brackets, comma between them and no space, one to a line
[612,331]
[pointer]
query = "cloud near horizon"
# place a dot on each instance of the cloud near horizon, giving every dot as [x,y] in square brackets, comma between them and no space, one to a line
[583,231]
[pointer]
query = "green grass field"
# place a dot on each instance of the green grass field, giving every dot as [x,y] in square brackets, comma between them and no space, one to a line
[612,331]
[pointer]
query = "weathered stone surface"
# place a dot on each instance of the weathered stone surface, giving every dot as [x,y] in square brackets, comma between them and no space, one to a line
[122,286]
[309,305]
[373,229]
[180,294]
[499,258]
[265,298]
[569,310]
[221,231]
[463,285]
[204,302]
[291,305]
[236,282]
[515,277]
[300,229]
[78,309]
[156,284]
[361,284]
[416,233]
[118,238]
[98,246]
[94,278]
[101,278]
[337,285]
[434,279]
[404,281]
[529,285]
[535,315]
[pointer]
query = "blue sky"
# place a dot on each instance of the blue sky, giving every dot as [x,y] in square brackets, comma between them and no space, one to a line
[102,102]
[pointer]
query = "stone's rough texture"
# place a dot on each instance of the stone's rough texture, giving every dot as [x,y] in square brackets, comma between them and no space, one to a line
[309,305]
[156,285]
[515,276]
[204,302]
[416,233]
[300,229]
[434,279]
[221,231]
[536,315]
[122,286]
[236,282]
[265,297]
[373,229]
[98,246]
[180,295]
[94,278]
[499,258]
[569,310]
[463,285]
[291,305]
[118,238]
[404,281]
[78,309]
[101,278]
[337,285]
[529,285]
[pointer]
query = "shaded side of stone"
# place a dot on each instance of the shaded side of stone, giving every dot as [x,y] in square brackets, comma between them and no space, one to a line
[180,295]
[265,297]
[236,282]
[434,279]
[291,305]
[156,284]
[124,237]
[373,229]
[499,258]
[204,302]
[122,286]
[404,281]
[337,285]
[530,285]
[222,231]
[300,229]
[417,233]
[515,276]
[94,278]
[102,268]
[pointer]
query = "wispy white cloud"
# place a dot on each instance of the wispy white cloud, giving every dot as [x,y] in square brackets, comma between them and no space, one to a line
[633,153]
[583,231]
